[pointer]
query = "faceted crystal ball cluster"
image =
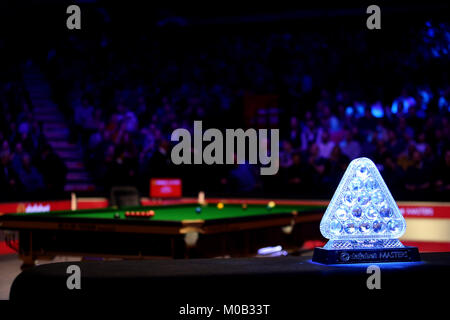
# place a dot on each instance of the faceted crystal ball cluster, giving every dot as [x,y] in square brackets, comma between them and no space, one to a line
[362,207]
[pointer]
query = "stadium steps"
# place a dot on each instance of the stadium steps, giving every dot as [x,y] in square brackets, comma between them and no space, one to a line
[78,176]
[39,94]
[75,166]
[62,145]
[49,117]
[69,154]
[55,125]
[56,130]
[54,136]
[79,187]
[42,107]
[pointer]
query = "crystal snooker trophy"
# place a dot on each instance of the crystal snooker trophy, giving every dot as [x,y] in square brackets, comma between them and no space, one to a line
[362,221]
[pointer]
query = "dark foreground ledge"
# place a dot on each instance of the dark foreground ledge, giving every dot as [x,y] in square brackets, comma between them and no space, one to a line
[285,282]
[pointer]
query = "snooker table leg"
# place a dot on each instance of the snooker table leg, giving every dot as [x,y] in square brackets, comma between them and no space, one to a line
[26,250]
[27,262]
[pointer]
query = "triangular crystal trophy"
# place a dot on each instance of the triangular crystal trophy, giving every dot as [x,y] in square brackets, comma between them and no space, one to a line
[362,221]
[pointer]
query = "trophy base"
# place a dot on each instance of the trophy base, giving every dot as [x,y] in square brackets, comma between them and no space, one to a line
[347,256]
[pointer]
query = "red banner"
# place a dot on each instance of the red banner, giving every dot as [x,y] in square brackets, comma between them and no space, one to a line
[34,206]
[425,210]
[165,188]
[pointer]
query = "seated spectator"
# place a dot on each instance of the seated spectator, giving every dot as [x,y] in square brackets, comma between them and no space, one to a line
[96,138]
[394,145]
[297,175]
[318,165]
[309,135]
[10,183]
[16,157]
[337,165]
[5,147]
[442,183]
[421,144]
[325,145]
[286,154]
[350,147]
[84,112]
[367,123]
[294,132]
[393,176]
[329,120]
[130,121]
[30,177]
[53,169]
[243,178]
[406,158]
[403,130]
[417,178]
[444,101]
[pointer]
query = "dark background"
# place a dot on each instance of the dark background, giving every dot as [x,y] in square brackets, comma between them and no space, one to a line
[134,73]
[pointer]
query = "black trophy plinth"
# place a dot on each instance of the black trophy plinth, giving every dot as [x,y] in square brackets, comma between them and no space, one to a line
[347,256]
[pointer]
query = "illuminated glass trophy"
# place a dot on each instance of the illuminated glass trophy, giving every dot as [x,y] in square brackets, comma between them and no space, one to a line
[362,221]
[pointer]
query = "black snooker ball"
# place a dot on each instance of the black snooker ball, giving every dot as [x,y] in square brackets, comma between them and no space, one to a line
[116,215]
[198,209]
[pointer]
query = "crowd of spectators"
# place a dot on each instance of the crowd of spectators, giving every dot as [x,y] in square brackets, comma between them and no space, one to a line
[28,164]
[337,99]
[339,95]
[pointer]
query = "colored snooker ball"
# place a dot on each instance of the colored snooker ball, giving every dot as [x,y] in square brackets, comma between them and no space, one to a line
[198,209]
[271,205]
[116,215]
[220,206]
[244,206]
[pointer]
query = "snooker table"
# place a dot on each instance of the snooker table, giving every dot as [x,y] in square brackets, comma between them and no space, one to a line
[175,231]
